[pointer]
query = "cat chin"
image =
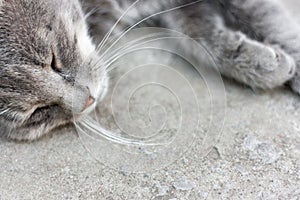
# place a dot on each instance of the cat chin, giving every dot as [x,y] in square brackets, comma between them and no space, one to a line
[86,112]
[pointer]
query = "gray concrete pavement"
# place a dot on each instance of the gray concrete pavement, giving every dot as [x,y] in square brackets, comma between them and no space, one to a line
[257,157]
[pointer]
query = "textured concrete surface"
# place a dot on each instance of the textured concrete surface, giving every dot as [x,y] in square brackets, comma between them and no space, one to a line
[257,157]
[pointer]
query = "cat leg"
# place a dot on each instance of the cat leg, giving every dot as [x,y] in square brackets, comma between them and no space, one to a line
[271,23]
[249,61]
[237,56]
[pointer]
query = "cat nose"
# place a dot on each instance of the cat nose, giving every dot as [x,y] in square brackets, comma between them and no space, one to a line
[90,101]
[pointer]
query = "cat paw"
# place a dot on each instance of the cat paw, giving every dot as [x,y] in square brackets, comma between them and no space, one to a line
[263,66]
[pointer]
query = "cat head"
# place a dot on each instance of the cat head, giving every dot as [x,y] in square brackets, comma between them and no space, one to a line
[47,67]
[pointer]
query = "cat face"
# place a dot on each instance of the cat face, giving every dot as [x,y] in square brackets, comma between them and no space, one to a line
[47,67]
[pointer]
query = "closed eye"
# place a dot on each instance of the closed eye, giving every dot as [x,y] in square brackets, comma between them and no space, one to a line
[54,64]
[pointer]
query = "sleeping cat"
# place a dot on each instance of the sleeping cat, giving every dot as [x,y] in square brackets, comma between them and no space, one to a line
[45,45]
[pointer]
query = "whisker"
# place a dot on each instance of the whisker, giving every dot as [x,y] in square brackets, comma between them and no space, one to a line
[109,56]
[95,128]
[125,46]
[131,49]
[107,35]
[150,38]
[149,17]
[131,27]
[87,15]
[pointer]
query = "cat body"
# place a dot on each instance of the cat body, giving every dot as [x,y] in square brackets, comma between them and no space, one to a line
[48,50]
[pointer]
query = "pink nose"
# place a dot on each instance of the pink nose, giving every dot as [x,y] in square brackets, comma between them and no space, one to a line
[89,102]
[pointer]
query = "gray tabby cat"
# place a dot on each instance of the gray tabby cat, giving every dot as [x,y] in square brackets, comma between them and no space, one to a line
[45,45]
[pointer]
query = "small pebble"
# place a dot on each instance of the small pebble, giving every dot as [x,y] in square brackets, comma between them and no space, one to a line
[163,190]
[184,184]
[240,169]
[203,195]
[262,150]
